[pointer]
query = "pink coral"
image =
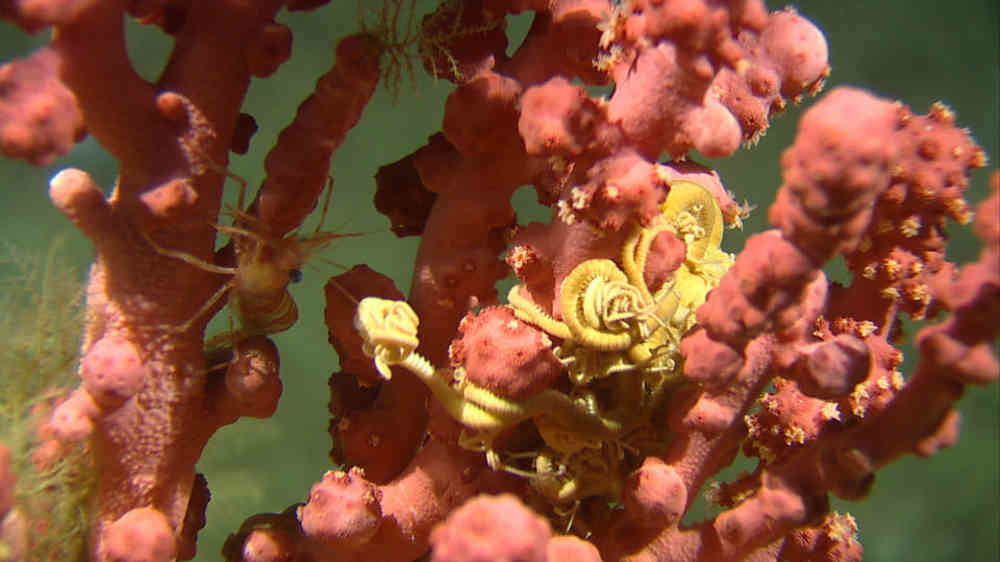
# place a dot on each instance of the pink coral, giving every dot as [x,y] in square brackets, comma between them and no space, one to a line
[343,510]
[632,362]
[491,529]
[142,534]
[516,364]
[112,372]
[501,529]
[39,117]
[8,479]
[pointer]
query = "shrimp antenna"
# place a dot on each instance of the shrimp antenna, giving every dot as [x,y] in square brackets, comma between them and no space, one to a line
[345,292]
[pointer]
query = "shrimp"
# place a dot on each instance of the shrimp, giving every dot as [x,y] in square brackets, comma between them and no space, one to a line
[258,283]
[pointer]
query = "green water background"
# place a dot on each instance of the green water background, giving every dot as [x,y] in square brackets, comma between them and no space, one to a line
[943,508]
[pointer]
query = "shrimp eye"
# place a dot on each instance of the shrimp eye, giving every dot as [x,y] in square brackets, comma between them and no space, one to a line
[295,275]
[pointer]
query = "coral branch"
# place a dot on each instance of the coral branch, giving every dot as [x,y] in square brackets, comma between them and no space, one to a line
[297,166]
[39,117]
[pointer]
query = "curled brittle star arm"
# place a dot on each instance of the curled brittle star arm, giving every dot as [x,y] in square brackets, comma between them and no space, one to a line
[634,255]
[463,411]
[533,314]
[496,405]
[389,330]
[578,290]
[689,197]
[664,331]
[550,403]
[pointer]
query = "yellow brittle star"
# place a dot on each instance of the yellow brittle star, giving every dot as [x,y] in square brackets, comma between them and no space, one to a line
[612,321]
[618,340]
[389,329]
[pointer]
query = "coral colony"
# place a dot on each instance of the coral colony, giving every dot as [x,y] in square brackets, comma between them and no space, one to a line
[577,416]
